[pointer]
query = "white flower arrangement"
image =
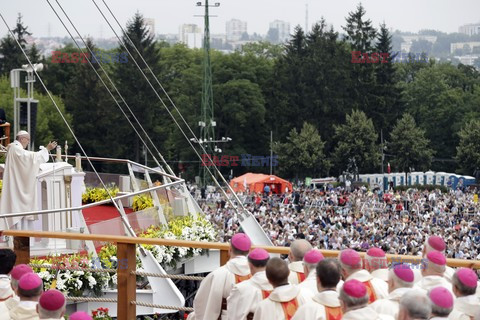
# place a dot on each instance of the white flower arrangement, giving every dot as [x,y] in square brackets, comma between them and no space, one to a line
[71,282]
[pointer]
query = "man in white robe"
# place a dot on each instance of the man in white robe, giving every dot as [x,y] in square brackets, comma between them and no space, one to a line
[400,281]
[325,304]
[310,261]
[432,273]
[210,302]
[354,299]
[467,303]
[414,305]
[285,298]
[442,303]
[245,296]
[7,261]
[30,287]
[376,263]
[13,300]
[433,243]
[19,190]
[351,265]
[298,249]
[51,305]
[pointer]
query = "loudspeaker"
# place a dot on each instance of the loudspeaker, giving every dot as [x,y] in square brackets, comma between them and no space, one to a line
[33,117]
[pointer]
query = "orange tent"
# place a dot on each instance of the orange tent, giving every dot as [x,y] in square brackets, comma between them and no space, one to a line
[255,182]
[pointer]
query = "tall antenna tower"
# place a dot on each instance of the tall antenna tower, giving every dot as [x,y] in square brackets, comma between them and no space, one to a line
[207,124]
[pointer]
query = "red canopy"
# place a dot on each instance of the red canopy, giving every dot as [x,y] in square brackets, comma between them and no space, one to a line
[255,182]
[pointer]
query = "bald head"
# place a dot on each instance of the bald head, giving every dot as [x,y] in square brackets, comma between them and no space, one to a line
[277,272]
[298,249]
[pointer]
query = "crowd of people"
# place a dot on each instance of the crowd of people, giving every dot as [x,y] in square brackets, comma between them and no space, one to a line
[398,222]
[253,285]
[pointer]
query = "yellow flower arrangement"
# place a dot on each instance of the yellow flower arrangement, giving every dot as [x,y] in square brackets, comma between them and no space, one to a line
[142,202]
[98,194]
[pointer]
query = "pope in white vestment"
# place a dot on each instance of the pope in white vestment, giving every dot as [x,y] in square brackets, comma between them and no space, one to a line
[19,179]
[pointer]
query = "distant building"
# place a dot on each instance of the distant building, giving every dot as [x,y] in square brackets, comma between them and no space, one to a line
[468,60]
[235,29]
[470,29]
[191,35]
[467,47]
[406,45]
[281,29]
[150,24]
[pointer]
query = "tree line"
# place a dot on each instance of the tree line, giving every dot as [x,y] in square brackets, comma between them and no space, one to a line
[321,108]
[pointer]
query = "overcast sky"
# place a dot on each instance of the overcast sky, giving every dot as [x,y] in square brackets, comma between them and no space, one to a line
[405,15]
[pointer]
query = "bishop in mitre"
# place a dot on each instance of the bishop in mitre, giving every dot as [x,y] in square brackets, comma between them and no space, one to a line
[19,180]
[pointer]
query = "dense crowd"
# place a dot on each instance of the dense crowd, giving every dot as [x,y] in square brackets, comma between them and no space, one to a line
[397,221]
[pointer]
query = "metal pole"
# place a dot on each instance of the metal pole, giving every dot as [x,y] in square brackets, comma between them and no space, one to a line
[29,92]
[271,151]
[383,148]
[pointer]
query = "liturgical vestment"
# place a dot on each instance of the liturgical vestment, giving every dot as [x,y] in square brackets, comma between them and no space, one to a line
[282,303]
[19,181]
[323,302]
[245,296]
[216,287]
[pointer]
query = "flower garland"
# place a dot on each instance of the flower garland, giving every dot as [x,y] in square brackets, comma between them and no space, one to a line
[77,282]
[72,282]
[182,228]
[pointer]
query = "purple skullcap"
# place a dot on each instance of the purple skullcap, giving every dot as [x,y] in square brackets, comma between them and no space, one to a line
[350,258]
[313,256]
[403,272]
[241,242]
[437,257]
[29,281]
[258,254]
[436,243]
[467,277]
[19,270]
[441,297]
[354,288]
[376,253]
[80,315]
[52,300]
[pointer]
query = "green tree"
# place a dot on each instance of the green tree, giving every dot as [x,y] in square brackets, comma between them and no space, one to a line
[409,146]
[360,32]
[263,49]
[356,138]
[439,98]
[468,149]
[302,154]
[87,99]
[11,56]
[387,107]
[361,35]
[135,89]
